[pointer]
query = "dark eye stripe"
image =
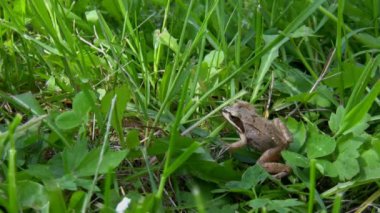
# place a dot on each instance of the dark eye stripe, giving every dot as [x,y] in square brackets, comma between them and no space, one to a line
[238,123]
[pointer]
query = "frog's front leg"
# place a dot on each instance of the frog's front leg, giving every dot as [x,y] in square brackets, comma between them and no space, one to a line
[238,144]
[268,161]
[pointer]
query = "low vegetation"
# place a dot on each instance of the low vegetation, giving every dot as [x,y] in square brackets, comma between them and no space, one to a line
[119,102]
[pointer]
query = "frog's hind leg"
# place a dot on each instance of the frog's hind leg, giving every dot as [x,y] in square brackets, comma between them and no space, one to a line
[271,155]
[278,170]
[268,161]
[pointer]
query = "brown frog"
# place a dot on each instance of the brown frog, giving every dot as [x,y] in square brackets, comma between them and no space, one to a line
[267,136]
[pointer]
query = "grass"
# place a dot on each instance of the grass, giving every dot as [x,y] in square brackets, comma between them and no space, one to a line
[105,100]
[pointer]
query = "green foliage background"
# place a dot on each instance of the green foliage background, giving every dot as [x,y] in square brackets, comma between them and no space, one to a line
[107,99]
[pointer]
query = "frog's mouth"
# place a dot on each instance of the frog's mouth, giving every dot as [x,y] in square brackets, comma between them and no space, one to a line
[235,121]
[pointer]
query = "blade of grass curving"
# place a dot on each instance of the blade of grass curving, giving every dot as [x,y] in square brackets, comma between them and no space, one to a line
[358,112]
[101,154]
[168,169]
[181,159]
[340,23]
[266,62]
[360,85]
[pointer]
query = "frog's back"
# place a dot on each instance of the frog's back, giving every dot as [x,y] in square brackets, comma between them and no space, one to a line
[260,140]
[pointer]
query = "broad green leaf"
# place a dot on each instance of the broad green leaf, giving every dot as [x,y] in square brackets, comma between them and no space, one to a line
[259,203]
[32,195]
[86,184]
[336,119]
[82,104]
[51,85]
[303,97]
[40,171]
[110,160]
[350,143]
[132,139]
[295,159]
[298,132]
[370,165]
[347,165]
[250,178]
[275,205]
[166,39]
[73,156]
[323,98]
[143,204]
[67,182]
[211,170]
[92,16]
[319,145]
[123,96]
[351,72]
[27,100]
[303,31]
[68,120]
[327,168]
[215,58]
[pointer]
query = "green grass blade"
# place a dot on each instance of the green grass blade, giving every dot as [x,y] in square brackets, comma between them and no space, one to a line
[359,89]
[12,188]
[101,155]
[357,113]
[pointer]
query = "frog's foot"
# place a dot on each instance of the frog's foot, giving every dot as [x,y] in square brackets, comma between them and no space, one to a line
[278,170]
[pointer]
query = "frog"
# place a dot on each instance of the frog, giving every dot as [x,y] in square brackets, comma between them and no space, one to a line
[270,137]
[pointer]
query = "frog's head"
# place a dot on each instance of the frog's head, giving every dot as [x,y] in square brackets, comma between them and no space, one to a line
[233,116]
